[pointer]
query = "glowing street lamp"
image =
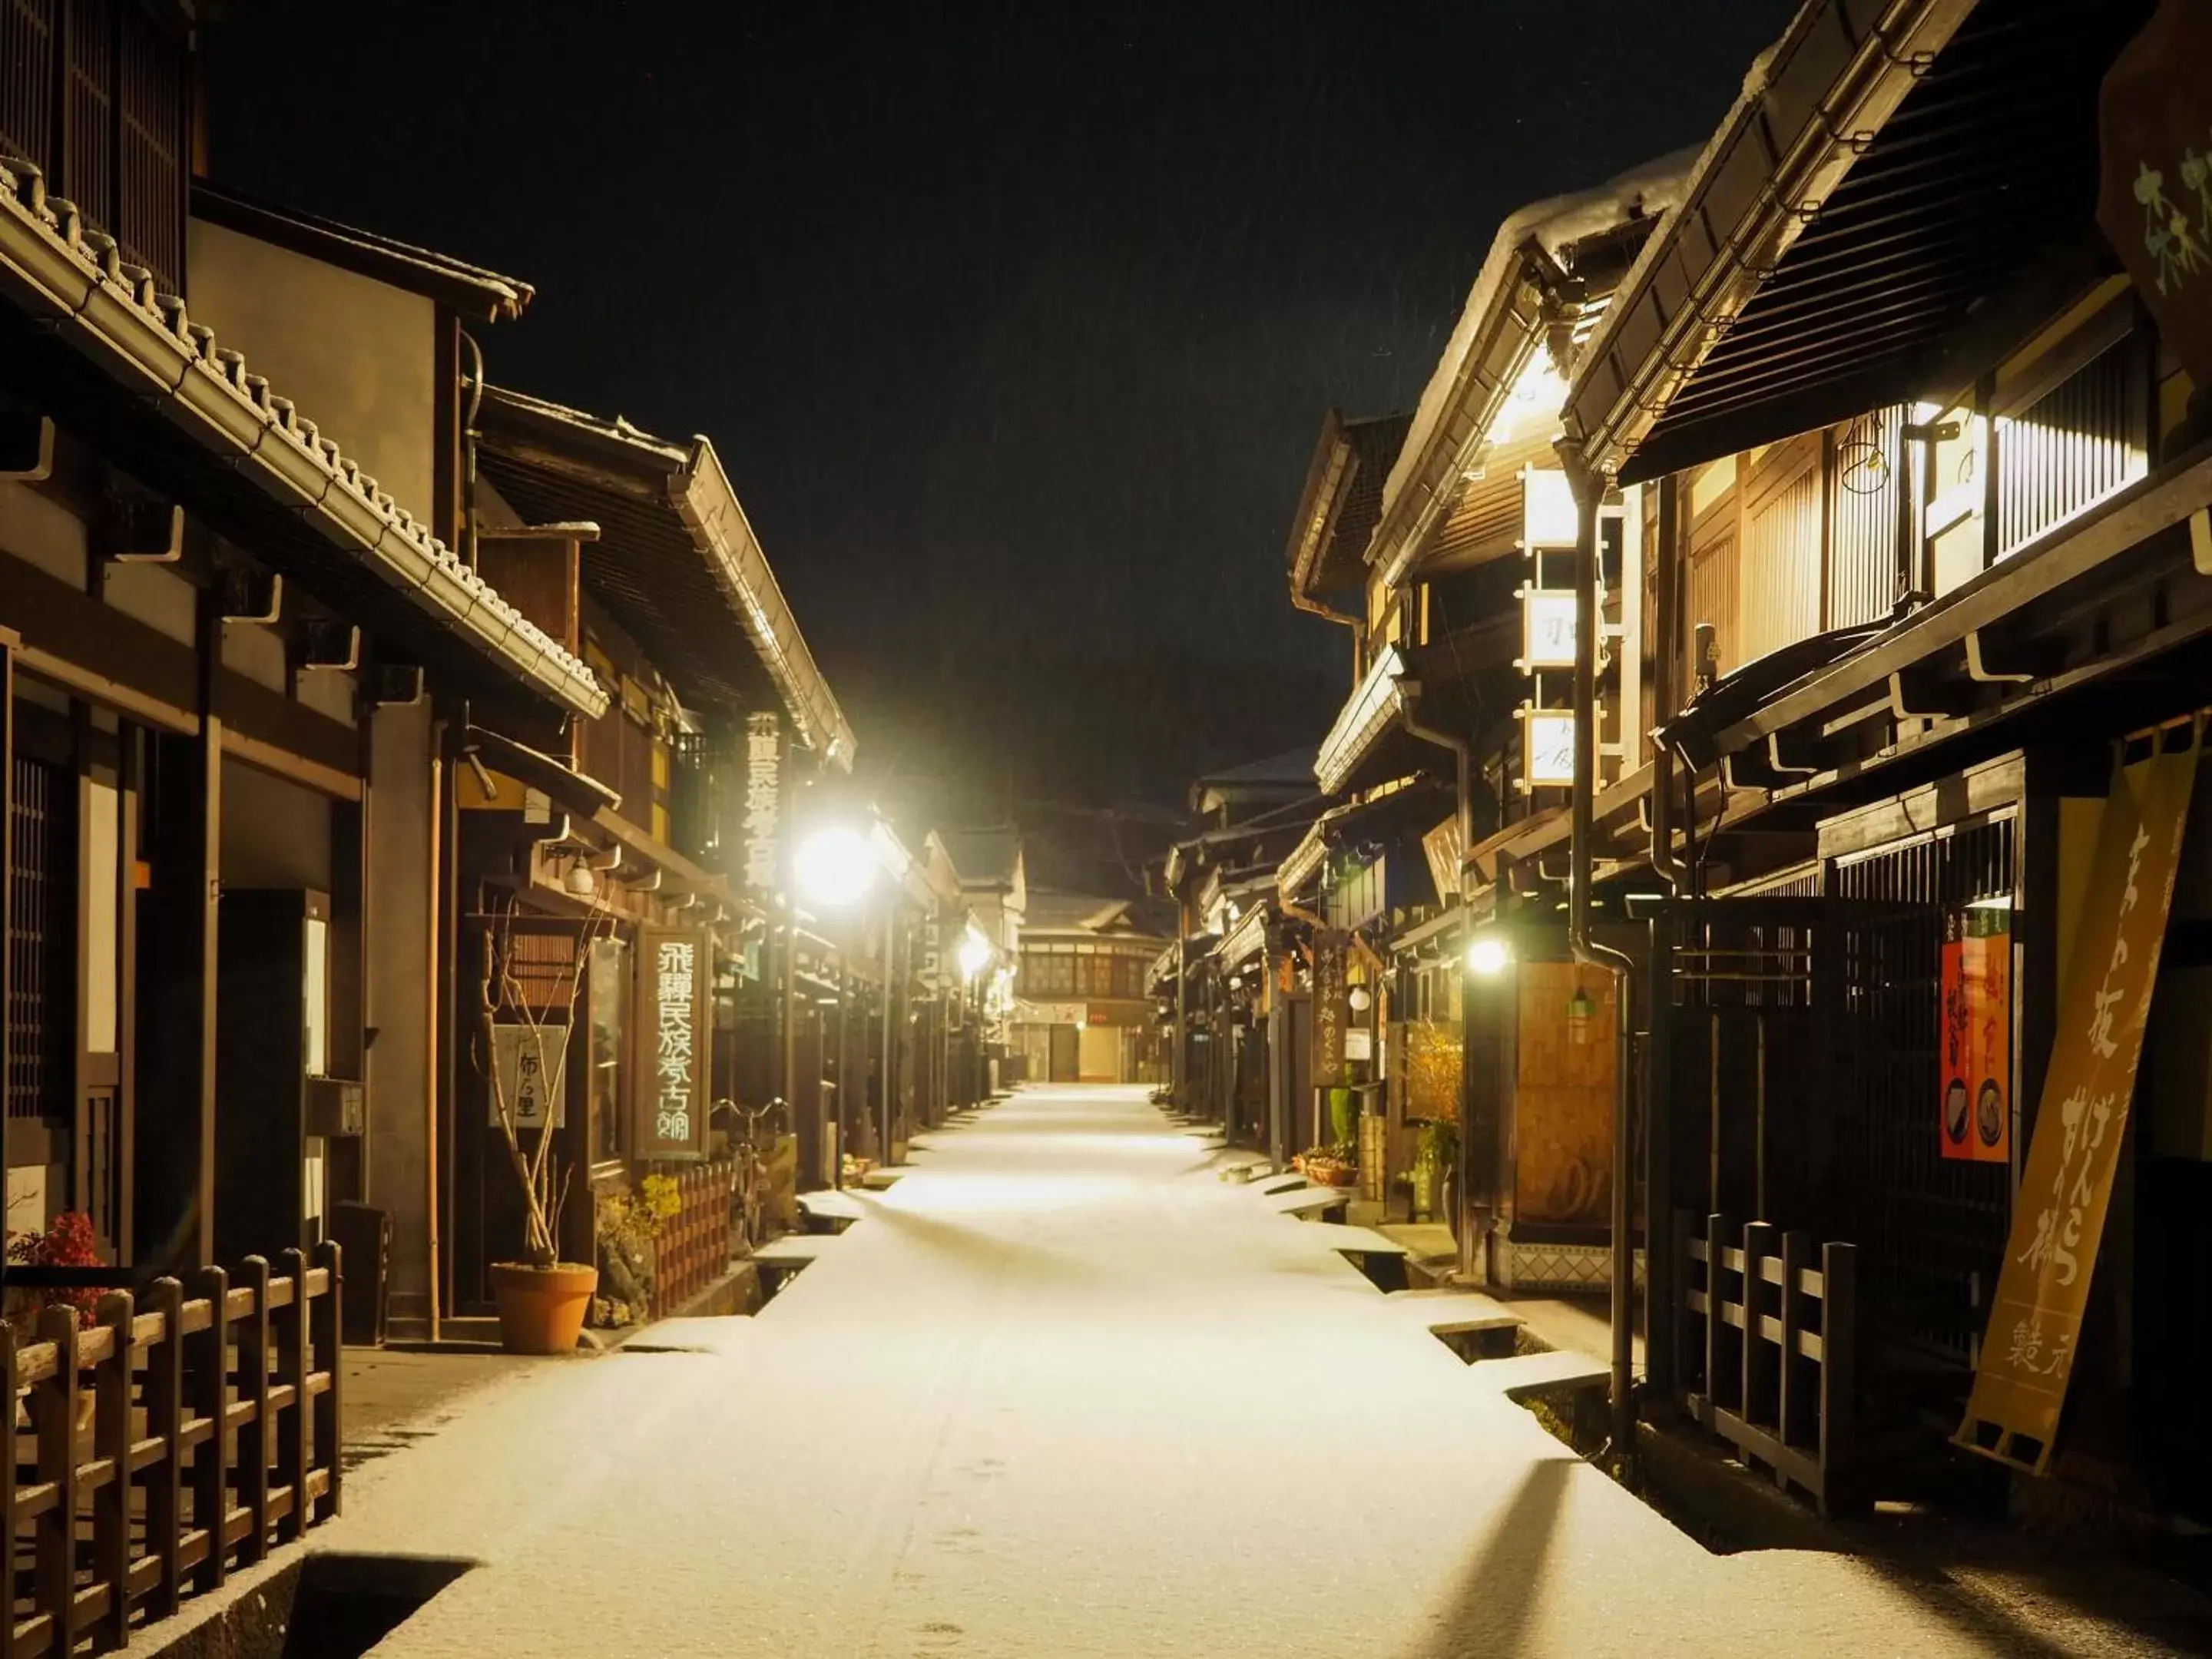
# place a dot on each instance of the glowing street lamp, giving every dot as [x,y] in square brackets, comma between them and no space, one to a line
[974,954]
[1488,955]
[835,866]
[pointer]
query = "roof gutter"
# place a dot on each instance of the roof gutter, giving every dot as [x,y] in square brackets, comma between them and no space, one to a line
[1852,104]
[76,279]
[701,494]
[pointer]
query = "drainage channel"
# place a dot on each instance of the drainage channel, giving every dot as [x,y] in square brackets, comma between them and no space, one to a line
[321,1606]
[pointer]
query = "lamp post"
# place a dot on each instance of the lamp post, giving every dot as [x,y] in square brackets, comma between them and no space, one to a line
[837,867]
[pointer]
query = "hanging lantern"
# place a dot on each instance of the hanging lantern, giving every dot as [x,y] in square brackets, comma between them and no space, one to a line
[1582,1014]
[1359,999]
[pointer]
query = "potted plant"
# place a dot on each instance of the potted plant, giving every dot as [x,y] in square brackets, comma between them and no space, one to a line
[67,1242]
[628,1230]
[542,1300]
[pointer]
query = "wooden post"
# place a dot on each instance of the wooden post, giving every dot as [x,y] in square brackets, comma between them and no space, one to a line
[325,1327]
[111,1500]
[176,1131]
[53,1418]
[1790,1399]
[1717,1232]
[11,1381]
[1678,1314]
[1758,1245]
[207,1396]
[1838,1364]
[164,1422]
[289,1325]
[252,1386]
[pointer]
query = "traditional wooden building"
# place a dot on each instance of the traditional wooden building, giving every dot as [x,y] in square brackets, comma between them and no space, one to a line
[1082,1012]
[243,634]
[1228,992]
[593,856]
[1441,540]
[1921,452]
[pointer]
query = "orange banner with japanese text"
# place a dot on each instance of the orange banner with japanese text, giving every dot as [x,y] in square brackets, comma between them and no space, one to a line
[1975,1046]
[2058,1217]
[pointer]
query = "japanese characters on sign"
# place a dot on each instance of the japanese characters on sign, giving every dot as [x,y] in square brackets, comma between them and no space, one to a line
[2154,197]
[1329,1009]
[530,1067]
[1975,1036]
[675,1041]
[1547,743]
[2058,1217]
[1548,628]
[764,798]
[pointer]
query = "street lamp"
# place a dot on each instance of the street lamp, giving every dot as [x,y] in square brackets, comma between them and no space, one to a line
[1488,955]
[974,954]
[835,866]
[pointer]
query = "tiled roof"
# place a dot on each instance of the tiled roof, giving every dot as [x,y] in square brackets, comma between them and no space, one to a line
[680,563]
[58,270]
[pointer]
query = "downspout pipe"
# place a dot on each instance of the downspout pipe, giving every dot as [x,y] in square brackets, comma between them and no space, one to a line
[1464,755]
[1662,1266]
[1589,489]
[1666,863]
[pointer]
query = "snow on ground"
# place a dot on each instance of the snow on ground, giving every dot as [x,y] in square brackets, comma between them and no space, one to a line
[1064,1393]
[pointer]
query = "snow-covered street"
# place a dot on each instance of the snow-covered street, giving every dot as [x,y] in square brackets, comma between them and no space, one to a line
[1064,1392]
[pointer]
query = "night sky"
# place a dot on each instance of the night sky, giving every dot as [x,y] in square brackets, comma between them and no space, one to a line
[1014,332]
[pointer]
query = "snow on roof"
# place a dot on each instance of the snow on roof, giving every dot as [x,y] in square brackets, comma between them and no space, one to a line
[1653,189]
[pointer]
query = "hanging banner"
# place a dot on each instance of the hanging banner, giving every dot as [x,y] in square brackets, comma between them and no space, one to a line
[2058,1215]
[1328,1008]
[675,1041]
[2154,186]
[1975,1049]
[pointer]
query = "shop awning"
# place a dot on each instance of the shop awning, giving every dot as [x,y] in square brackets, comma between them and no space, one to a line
[1887,173]
[1401,817]
[565,787]
[99,349]
[1247,939]
[676,563]
[1739,692]
[1999,640]
[1369,740]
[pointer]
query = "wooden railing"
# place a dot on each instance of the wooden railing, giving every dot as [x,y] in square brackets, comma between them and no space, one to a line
[214,1435]
[1770,1350]
[693,1248]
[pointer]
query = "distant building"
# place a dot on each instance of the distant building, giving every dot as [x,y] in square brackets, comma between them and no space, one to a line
[1081,1014]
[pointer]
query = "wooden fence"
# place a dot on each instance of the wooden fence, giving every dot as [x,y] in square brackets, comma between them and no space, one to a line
[1770,1349]
[693,1248]
[213,1435]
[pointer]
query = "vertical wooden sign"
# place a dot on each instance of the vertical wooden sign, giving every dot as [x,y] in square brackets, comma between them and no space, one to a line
[675,977]
[2058,1216]
[1328,1009]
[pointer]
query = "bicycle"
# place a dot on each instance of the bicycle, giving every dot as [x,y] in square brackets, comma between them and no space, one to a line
[754,1188]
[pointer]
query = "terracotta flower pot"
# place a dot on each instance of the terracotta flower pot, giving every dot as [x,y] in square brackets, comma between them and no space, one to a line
[541,1310]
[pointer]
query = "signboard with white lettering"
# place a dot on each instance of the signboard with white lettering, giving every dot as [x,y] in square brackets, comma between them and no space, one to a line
[1548,628]
[530,1071]
[675,1041]
[763,800]
[2074,1153]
